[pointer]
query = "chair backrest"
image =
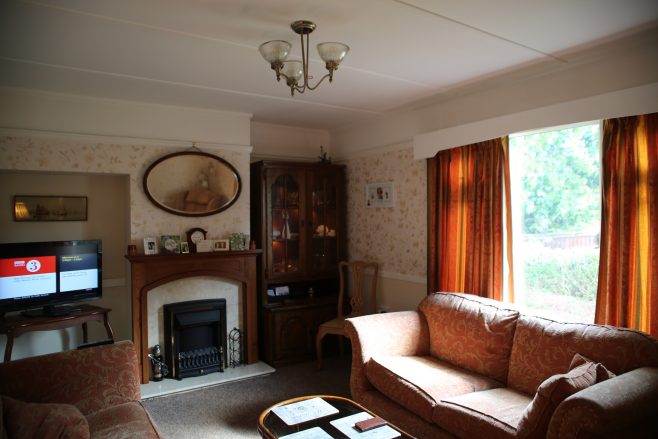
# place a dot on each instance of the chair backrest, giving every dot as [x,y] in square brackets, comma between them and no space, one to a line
[357,272]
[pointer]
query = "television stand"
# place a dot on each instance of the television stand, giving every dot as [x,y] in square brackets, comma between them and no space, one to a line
[51,311]
[15,325]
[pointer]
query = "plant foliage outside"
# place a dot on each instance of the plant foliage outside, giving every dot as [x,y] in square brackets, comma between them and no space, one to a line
[558,176]
[561,180]
[561,284]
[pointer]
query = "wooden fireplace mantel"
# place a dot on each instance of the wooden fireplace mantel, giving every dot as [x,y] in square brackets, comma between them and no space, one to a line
[148,272]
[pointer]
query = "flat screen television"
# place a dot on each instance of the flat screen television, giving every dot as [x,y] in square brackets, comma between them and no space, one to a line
[43,277]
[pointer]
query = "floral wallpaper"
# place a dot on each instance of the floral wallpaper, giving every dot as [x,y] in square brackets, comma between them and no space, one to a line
[395,237]
[62,155]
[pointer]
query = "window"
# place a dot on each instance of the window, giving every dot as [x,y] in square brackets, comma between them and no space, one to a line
[556,202]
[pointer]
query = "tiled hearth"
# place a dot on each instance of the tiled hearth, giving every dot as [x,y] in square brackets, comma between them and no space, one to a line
[168,386]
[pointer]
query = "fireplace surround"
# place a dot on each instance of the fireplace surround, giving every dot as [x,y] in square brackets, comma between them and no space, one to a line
[149,272]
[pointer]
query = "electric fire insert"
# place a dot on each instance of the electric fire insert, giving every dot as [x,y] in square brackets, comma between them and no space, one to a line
[195,337]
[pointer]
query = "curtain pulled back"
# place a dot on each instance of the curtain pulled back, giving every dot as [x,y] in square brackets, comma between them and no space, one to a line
[628,269]
[465,219]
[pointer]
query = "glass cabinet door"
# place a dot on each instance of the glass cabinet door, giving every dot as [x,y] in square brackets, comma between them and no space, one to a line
[323,222]
[284,202]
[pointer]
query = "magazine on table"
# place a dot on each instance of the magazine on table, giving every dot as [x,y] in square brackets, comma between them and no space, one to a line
[306,410]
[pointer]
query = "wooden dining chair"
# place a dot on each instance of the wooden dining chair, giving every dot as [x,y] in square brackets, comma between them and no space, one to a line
[362,293]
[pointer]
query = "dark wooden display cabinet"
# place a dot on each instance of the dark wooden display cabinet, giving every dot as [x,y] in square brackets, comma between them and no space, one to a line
[298,219]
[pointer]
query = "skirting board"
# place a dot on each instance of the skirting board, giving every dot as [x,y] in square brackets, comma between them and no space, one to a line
[169,385]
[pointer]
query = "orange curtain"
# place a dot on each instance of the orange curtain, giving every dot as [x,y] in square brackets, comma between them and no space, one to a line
[628,269]
[465,220]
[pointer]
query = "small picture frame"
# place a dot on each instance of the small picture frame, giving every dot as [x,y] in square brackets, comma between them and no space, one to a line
[238,241]
[150,246]
[205,246]
[184,247]
[380,195]
[170,244]
[221,245]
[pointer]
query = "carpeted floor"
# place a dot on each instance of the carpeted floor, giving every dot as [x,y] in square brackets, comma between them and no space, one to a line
[231,410]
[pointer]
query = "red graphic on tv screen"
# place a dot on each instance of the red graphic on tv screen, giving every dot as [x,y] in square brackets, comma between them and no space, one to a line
[31,276]
[27,266]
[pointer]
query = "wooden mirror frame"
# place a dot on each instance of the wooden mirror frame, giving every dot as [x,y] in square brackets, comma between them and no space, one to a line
[192,183]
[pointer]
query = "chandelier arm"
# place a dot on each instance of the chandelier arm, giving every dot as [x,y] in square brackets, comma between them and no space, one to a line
[319,82]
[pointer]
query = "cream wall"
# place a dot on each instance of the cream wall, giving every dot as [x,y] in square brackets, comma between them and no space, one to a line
[73,114]
[394,237]
[288,143]
[107,219]
[75,136]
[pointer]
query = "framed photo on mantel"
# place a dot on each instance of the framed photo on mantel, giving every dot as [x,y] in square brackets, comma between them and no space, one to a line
[205,246]
[150,246]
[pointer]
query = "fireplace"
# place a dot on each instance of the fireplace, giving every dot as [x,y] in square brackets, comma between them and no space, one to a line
[195,334]
[149,272]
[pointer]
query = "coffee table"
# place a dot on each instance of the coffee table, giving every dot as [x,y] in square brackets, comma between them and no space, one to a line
[271,426]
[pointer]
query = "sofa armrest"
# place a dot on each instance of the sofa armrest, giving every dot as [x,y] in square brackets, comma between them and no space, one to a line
[623,406]
[91,379]
[395,333]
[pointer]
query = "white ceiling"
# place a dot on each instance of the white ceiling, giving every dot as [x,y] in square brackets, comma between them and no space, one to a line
[204,53]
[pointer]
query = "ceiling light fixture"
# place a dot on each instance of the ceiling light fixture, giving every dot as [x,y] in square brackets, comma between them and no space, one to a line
[276,52]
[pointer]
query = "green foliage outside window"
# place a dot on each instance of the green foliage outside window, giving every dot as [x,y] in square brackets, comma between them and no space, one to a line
[561,188]
[557,196]
[569,272]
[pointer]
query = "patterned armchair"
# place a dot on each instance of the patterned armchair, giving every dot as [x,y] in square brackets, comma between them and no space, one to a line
[92,392]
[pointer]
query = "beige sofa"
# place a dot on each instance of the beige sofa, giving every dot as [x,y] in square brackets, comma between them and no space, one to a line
[463,366]
[79,394]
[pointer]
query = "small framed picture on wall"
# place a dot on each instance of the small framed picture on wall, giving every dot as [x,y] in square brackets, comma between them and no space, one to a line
[380,194]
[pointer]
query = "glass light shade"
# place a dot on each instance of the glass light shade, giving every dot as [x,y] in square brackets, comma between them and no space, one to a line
[275,50]
[333,51]
[293,70]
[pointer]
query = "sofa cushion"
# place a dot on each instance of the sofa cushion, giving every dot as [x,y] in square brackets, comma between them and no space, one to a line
[44,421]
[536,417]
[471,332]
[125,420]
[602,373]
[417,383]
[487,414]
[543,348]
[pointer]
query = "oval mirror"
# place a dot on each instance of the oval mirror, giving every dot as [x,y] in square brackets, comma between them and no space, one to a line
[192,183]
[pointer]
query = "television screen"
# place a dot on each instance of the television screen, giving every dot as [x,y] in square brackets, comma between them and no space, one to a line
[45,274]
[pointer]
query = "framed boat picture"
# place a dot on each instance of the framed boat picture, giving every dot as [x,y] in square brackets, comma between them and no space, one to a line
[50,208]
